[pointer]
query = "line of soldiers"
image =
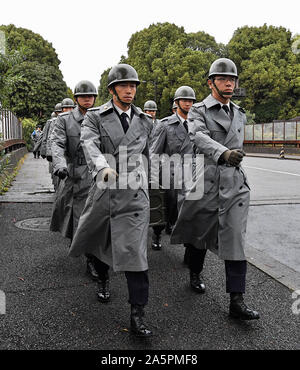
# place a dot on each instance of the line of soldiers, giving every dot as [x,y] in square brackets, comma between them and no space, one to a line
[109,224]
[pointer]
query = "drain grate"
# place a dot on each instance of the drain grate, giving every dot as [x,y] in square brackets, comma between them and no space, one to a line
[35,224]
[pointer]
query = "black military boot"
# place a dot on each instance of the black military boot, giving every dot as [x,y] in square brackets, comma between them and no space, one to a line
[156,242]
[103,290]
[90,268]
[196,283]
[239,310]
[137,326]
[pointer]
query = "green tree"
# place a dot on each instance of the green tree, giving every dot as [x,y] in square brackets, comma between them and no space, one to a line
[165,58]
[103,93]
[37,91]
[34,47]
[31,82]
[269,70]
[28,126]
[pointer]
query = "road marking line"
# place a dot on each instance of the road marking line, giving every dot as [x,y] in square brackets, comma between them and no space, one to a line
[265,169]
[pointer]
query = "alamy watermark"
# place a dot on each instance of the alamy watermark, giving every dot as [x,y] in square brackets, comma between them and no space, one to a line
[180,172]
[2,303]
[296,303]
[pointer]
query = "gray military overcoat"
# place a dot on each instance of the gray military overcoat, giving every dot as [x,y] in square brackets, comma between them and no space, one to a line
[45,138]
[114,223]
[218,220]
[172,138]
[67,153]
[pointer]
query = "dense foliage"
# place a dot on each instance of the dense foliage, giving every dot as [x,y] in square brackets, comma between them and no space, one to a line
[166,57]
[31,82]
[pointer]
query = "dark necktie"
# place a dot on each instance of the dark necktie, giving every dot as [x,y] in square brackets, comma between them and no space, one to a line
[226,109]
[185,126]
[124,121]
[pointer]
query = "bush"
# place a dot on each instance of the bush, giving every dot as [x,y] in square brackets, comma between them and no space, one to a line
[28,125]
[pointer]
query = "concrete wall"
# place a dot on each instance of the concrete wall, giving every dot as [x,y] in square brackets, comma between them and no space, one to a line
[14,157]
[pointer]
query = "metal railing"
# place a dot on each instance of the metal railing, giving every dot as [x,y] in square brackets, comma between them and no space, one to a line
[11,132]
[274,133]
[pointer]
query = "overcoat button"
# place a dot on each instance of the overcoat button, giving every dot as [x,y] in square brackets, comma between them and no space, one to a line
[240,204]
[112,215]
[212,181]
[135,195]
[221,187]
[136,215]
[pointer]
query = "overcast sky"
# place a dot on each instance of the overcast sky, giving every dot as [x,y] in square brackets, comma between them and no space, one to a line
[90,36]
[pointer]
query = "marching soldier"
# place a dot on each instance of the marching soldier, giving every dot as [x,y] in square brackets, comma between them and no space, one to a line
[47,138]
[171,137]
[67,105]
[150,108]
[114,223]
[174,107]
[69,163]
[218,220]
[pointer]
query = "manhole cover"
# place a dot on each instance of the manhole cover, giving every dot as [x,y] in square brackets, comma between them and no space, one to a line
[36,224]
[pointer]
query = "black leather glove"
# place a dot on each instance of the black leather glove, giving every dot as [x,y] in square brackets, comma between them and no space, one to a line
[49,158]
[233,157]
[43,156]
[62,173]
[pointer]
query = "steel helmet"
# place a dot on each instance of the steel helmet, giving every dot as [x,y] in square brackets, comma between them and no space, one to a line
[122,73]
[223,66]
[150,105]
[85,87]
[184,92]
[53,114]
[174,106]
[67,103]
[58,107]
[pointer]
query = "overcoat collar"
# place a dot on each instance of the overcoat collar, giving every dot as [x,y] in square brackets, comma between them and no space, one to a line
[222,118]
[180,131]
[79,117]
[113,127]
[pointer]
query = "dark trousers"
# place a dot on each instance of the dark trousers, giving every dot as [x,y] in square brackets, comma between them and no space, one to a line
[235,271]
[196,258]
[235,276]
[171,203]
[158,229]
[137,282]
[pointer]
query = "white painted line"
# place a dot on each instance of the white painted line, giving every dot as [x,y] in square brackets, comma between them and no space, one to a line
[265,169]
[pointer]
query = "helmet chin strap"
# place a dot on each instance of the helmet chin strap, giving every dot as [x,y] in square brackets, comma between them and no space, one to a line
[125,104]
[185,112]
[225,94]
[84,108]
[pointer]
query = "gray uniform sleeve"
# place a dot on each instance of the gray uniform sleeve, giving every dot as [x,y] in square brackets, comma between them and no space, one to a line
[91,143]
[58,140]
[200,135]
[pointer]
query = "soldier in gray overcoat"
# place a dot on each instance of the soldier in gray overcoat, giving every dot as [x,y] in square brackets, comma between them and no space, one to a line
[69,165]
[150,107]
[171,137]
[47,143]
[114,223]
[45,136]
[218,220]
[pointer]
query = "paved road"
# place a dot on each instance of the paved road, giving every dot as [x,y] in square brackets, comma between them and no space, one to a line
[273,234]
[51,304]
